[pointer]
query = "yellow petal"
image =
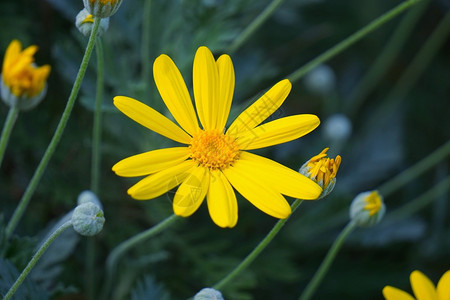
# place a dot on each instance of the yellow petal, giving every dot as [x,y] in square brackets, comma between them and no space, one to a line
[222,203]
[256,191]
[151,162]
[392,293]
[173,91]
[226,89]
[261,109]
[150,118]
[205,78]
[280,178]
[443,287]
[191,192]
[277,132]
[159,183]
[422,286]
[11,54]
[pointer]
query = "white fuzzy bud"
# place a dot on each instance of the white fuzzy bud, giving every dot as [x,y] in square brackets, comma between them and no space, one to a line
[208,294]
[102,8]
[88,219]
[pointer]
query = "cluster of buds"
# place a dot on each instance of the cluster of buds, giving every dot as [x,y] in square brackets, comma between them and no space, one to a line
[322,170]
[23,84]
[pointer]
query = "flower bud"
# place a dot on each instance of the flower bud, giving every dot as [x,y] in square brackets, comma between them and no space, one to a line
[23,84]
[322,170]
[102,8]
[88,196]
[85,21]
[367,209]
[337,128]
[88,219]
[208,294]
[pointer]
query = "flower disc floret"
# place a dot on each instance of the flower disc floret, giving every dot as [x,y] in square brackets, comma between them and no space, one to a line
[213,149]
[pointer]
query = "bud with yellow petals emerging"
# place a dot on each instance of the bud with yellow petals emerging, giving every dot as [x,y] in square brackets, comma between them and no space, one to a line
[23,84]
[102,8]
[367,209]
[85,22]
[322,170]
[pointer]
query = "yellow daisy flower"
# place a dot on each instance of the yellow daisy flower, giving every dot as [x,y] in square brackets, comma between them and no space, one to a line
[422,287]
[22,80]
[215,160]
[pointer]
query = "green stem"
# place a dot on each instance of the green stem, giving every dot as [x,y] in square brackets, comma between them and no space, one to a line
[97,129]
[7,129]
[56,137]
[420,202]
[409,174]
[421,60]
[253,26]
[382,63]
[351,39]
[326,263]
[145,51]
[122,248]
[35,259]
[95,166]
[261,246]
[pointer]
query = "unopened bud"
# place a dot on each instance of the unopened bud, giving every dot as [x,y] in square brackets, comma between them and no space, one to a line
[85,21]
[102,8]
[208,294]
[88,219]
[367,209]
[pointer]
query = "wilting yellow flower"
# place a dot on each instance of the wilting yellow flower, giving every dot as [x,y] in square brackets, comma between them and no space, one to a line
[422,287]
[367,208]
[213,160]
[102,8]
[23,83]
[322,170]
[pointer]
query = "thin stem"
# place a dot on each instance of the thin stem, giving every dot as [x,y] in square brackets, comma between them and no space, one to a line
[258,249]
[420,202]
[35,259]
[122,248]
[145,51]
[422,59]
[375,24]
[95,166]
[7,129]
[253,26]
[382,63]
[326,263]
[97,129]
[56,137]
[409,174]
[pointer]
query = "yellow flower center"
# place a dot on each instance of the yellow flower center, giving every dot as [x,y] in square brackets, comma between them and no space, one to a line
[213,149]
[323,168]
[373,203]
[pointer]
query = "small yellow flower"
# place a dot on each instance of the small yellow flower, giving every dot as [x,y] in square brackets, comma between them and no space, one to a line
[322,170]
[214,159]
[23,83]
[367,208]
[102,8]
[422,287]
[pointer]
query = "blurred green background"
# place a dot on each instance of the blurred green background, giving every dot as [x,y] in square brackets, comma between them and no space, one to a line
[378,130]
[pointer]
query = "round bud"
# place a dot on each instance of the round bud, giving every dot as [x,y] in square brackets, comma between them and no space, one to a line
[88,219]
[208,294]
[102,8]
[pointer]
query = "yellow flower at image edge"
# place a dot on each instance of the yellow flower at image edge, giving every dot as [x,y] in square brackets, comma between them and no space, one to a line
[22,80]
[214,160]
[422,287]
